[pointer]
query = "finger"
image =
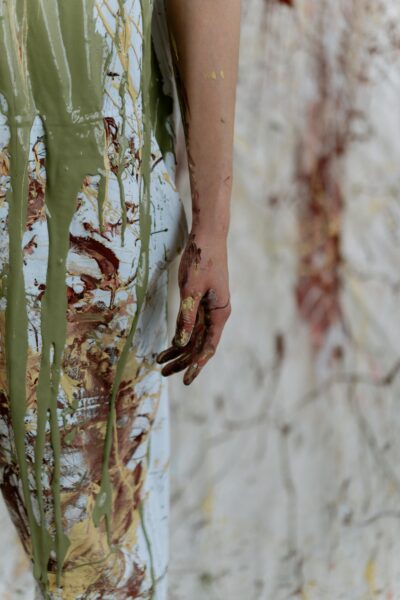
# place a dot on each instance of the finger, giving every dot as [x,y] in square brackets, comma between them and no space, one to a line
[174,351]
[200,361]
[168,354]
[193,347]
[186,319]
[215,323]
[177,365]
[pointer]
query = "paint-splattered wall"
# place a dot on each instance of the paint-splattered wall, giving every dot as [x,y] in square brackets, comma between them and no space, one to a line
[285,476]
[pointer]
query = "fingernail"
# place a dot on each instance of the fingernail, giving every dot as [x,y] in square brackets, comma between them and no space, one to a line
[190,374]
[160,356]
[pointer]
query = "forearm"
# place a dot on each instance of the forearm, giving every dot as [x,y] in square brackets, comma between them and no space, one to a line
[205,46]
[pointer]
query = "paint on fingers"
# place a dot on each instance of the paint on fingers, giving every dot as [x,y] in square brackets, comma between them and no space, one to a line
[168,354]
[191,373]
[178,365]
[195,368]
[186,320]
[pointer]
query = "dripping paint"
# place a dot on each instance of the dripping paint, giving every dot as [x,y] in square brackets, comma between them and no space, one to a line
[86,178]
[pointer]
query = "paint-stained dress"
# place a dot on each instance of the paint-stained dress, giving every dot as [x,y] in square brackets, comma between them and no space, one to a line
[89,220]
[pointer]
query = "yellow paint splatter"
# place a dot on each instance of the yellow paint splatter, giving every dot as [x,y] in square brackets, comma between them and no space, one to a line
[207,505]
[167,178]
[307,588]
[304,594]
[369,575]
[188,304]
[215,75]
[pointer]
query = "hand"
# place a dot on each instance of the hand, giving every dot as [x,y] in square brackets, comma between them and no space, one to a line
[205,306]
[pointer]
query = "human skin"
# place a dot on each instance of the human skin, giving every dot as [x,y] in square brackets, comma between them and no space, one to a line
[204,36]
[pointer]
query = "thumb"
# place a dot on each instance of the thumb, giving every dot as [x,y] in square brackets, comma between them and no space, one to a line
[186,319]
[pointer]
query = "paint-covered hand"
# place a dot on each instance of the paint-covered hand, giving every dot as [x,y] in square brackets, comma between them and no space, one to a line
[204,309]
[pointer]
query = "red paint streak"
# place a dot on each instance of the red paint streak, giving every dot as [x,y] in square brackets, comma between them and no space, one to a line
[326,136]
[319,283]
[106,259]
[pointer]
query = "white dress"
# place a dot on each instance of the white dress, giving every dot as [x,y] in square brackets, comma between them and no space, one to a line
[89,221]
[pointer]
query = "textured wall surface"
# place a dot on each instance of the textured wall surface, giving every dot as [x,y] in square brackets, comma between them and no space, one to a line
[285,470]
[286,453]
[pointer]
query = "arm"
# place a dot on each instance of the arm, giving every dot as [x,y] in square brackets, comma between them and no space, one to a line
[204,37]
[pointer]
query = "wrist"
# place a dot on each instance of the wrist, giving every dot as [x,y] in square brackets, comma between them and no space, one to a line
[211,211]
[211,222]
[217,228]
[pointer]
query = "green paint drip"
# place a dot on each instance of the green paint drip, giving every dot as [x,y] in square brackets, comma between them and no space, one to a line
[53,65]
[20,114]
[67,82]
[103,505]
[123,142]
[101,194]
[60,78]
[103,182]
[145,533]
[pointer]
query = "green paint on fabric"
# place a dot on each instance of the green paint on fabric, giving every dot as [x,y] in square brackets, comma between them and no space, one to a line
[122,139]
[20,114]
[103,505]
[54,65]
[146,534]
[66,66]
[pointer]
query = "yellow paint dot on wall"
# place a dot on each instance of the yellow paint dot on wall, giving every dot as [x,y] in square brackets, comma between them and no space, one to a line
[207,506]
[369,575]
[309,586]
